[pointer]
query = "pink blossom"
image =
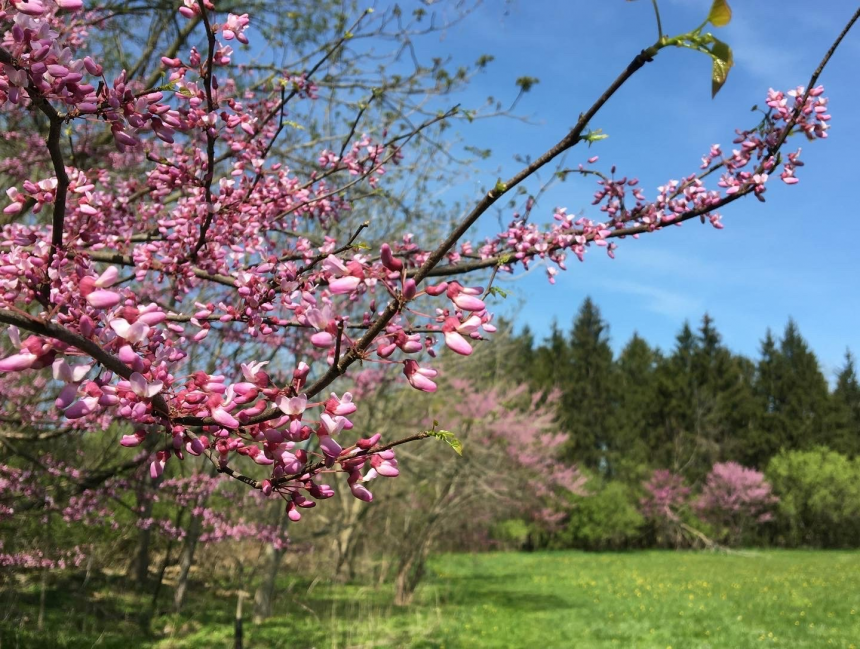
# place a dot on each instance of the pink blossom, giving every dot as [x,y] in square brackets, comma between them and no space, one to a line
[103,299]
[142,388]
[18,362]
[293,406]
[235,26]
[340,406]
[419,377]
[133,333]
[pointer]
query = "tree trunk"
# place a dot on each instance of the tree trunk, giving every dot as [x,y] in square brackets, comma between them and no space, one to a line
[410,571]
[237,627]
[265,593]
[140,566]
[43,591]
[186,560]
[346,540]
[409,575]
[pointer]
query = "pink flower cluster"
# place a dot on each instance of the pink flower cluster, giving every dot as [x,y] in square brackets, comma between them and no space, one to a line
[732,490]
[666,493]
[201,233]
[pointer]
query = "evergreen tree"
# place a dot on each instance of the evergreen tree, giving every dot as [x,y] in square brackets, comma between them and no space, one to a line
[843,431]
[724,405]
[804,393]
[742,412]
[636,412]
[515,355]
[551,360]
[793,398]
[668,439]
[767,434]
[587,401]
[705,402]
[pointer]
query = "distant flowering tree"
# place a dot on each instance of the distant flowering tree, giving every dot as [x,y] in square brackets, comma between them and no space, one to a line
[32,499]
[735,498]
[666,494]
[117,270]
[510,468]
[666,500]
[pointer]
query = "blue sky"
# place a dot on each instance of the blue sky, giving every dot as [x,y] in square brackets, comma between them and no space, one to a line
[791,256]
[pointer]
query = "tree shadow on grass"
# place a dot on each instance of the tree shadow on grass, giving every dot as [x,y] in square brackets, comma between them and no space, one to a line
[505,591]
[77,614]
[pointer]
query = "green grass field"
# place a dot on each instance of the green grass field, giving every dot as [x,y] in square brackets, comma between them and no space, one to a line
[543,600]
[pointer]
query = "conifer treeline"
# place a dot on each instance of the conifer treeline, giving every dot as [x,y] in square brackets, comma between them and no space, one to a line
[691,407]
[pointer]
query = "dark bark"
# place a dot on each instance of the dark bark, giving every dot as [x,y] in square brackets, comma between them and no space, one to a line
[237,626]
[140,565]
[186,560]
[264,596]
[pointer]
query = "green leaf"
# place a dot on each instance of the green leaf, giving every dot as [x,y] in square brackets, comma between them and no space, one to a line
[484,60]
[449,438]
[495,290]
[527,83]
[594,136]
[446,436]
[720,14]
[723,62]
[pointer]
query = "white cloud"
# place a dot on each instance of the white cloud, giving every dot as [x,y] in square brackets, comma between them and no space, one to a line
[672,304]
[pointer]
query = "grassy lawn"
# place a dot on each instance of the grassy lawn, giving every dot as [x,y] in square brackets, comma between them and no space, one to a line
[543,600]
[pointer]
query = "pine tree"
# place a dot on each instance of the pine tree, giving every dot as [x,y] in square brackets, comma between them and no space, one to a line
[705,402]
[804,392]
[515,356]
[672,440]
[843,431]
[636,413]
[588,391]
[767,434]
[551,360]
[724,404]
[793,399]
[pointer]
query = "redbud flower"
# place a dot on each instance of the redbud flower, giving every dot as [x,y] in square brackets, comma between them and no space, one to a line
[436,290]
[292,406]
[388,259]
[453,328]
[342,407]
[330,448]
[419,377]
[142,388]
[133,333]
[18,362]
[234,27]
[384,464]
[369,443]
[64,372]
[358,490]
[130,441]
[464,298]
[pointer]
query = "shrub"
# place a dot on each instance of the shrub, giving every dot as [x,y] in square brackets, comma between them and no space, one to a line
[604,520]
[512,534]
[819,493]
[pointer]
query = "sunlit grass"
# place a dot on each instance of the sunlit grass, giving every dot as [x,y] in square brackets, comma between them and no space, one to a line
[792,599]
[542,600]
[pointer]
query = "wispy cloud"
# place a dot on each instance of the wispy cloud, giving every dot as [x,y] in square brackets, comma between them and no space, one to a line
[673,304]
